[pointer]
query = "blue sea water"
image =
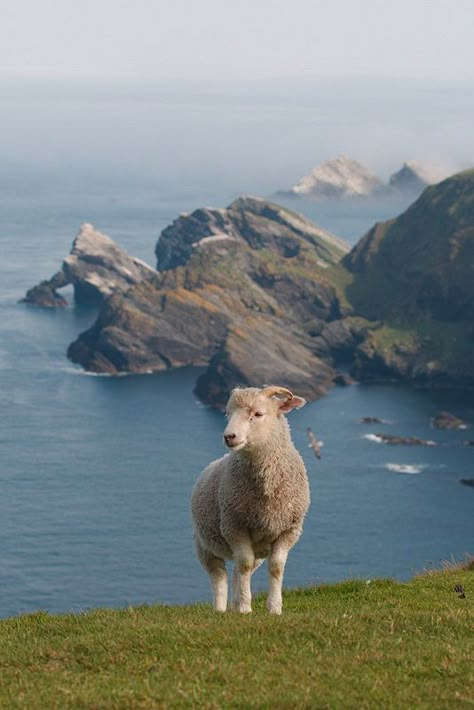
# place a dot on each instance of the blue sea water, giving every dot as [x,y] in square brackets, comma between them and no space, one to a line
[96,472]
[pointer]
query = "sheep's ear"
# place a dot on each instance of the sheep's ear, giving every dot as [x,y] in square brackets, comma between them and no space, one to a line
[294,403]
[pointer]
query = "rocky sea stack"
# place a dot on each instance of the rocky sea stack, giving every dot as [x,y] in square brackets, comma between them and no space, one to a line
[338,178]
[96,267]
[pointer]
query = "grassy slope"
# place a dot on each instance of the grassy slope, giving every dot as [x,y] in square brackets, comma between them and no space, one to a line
[382,644]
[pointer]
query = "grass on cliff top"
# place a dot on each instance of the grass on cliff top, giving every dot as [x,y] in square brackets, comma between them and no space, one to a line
[356,644]
[449,345]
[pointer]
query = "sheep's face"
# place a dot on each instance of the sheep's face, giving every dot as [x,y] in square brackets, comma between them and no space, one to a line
[255,416]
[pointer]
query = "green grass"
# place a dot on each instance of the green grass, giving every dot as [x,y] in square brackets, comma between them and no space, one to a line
[353,645]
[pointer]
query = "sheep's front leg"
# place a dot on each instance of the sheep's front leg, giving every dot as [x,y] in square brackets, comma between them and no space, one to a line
[244,560]
[236,584]
[276,568]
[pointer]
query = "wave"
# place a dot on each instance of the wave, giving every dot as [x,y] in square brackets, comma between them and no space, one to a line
[409,468]
[88,373]
[373,437]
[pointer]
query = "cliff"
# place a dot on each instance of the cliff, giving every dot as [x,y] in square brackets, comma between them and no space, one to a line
[248,290]
[415,274]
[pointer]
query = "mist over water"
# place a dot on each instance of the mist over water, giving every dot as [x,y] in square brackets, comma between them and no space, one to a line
[97,471]
[246,137]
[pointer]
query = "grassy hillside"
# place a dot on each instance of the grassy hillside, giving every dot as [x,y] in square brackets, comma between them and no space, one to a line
[422,263]
[356,644]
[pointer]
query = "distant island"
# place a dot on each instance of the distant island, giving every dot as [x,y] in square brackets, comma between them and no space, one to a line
[343,178]
[257,293]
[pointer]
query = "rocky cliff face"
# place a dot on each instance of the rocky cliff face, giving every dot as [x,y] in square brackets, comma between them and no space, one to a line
[338,178]
[416,275]
[250,221]
[247,290]
[96,267]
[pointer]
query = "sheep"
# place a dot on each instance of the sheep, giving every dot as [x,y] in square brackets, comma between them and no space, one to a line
[250,504]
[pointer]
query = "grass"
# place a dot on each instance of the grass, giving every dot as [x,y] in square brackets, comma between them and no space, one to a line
[381,644]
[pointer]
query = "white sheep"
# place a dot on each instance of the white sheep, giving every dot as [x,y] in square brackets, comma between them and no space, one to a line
[250,504]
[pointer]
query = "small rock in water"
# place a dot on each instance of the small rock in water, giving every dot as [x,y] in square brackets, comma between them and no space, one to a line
[467,481]
[371,420]
[405,440]
[446,420]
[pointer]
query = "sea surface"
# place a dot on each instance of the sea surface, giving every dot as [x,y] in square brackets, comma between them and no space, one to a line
[96,472]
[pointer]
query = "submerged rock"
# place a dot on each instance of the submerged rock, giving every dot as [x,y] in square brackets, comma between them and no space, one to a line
[446,420]
[97,267]
[467,481]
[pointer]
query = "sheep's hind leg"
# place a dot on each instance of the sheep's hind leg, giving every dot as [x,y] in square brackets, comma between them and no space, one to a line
[217,571]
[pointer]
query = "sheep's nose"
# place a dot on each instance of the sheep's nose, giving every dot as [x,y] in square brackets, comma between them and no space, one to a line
[229,438]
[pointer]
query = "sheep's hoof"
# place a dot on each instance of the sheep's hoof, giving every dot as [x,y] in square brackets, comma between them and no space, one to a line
[273,609]
[245,609]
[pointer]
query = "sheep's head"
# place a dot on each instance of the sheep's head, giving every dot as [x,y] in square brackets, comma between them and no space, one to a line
[256,415]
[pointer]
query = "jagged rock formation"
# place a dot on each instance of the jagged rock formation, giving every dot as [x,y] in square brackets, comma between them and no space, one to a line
[250,291]
[248,220]
[338,178]
[415,276]
[414,176]
[96,267]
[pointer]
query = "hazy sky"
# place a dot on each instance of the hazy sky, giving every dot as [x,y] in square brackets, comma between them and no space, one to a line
[158,39]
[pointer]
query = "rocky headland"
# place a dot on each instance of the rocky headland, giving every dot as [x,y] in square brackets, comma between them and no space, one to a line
[257,294]
[250,291]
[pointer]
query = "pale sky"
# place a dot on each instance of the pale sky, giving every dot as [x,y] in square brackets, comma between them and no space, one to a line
[224,39]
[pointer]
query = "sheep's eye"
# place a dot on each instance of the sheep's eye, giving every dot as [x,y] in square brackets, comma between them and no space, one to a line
[258,414]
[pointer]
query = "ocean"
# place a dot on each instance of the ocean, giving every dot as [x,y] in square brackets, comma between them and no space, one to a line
[96,472]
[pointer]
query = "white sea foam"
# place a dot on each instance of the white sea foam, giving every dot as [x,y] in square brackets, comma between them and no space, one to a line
[409,468]
[373,437]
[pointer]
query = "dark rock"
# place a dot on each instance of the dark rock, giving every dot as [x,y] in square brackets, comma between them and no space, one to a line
[45,294]
[404,440]
[446,420]
[371,420]
[344,379]
[467,481]
[413,177]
